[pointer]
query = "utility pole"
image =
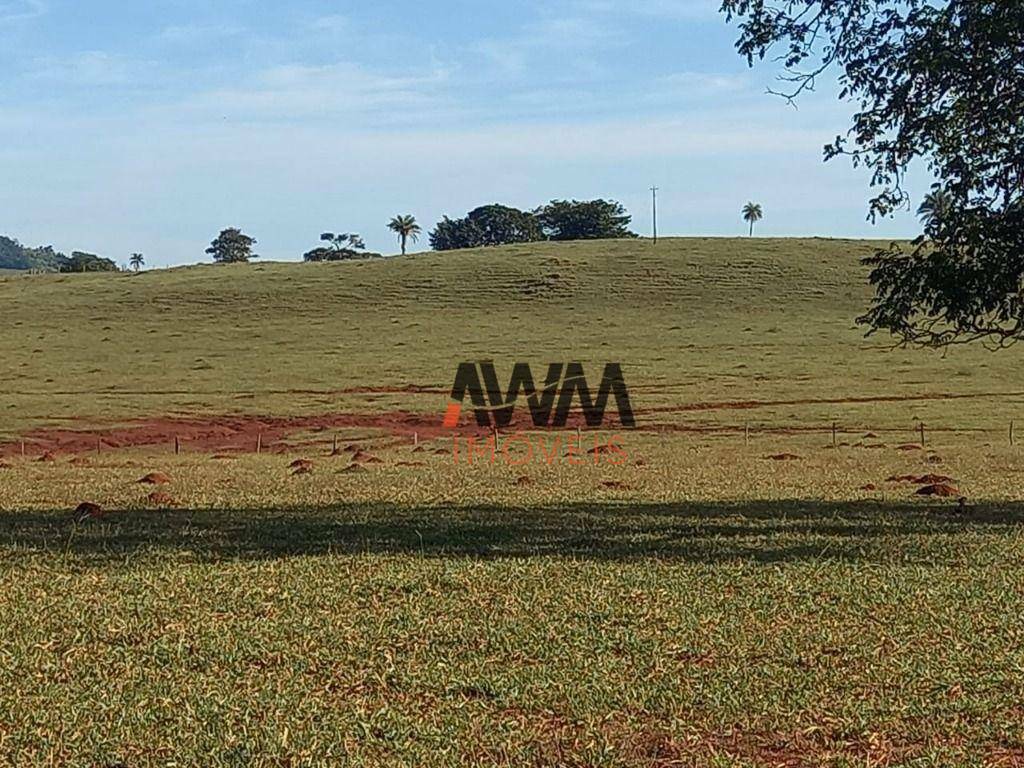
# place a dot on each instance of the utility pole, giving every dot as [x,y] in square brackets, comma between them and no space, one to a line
[654,211]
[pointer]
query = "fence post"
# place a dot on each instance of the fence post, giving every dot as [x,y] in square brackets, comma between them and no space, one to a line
[746,433]
[177,445]
[259,443]
[833,434]
[1011,431]
[921,427]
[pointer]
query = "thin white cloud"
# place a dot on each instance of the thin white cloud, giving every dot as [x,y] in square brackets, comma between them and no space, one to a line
[663,9]
[572,38]
[343,90]
[196,33]
[21,10]
[334,23]
[701,83]
[89,68]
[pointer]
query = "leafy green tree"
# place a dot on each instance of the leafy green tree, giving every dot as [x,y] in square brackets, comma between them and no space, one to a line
[232,246]
[934,81]
[752,214]
[406,228]
[487,225]
[584,220]
[137,261]
[340,248]
[451,234]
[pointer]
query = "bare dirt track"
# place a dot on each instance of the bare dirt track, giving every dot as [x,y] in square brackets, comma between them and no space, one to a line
[241,433]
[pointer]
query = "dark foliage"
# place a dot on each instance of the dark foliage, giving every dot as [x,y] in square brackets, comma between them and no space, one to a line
[341,247]
[232,246]
[13,255]
[487,225]
[584,220]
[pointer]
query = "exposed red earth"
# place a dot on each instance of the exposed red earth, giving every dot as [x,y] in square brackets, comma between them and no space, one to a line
[227,434]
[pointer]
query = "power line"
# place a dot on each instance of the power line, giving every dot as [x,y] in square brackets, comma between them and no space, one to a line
[654,211]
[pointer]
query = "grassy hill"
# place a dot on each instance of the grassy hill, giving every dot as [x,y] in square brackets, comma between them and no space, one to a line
[694,321]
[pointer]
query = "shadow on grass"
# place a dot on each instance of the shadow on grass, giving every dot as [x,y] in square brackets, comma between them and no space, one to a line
[767,531]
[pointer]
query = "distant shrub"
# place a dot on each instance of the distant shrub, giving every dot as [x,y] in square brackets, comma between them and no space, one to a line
[232,246]
[584,220]
[487,225]
[343,247]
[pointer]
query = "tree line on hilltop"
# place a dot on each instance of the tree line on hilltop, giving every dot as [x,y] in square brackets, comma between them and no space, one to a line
[14,255]
[487,225]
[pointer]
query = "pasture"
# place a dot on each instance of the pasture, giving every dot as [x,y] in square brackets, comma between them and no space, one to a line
[746,589]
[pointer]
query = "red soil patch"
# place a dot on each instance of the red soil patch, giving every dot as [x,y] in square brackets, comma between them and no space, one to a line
[928,479]
[362,457]
[160,499]
[615,485]
[939,489]
[155,478]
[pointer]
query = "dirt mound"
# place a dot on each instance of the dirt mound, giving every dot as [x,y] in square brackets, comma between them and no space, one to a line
[783,457]
[363,457]
[933,459]
[222,457]
[303,469]
[160,499]
[939,489]
[304,464]
[410,464]
[869,487]
[4,465]
[88,511]
[47,457]
[79,461]
[524,480]
[929,479]
[909,447]
[354,468]
[615,485]
[154,478]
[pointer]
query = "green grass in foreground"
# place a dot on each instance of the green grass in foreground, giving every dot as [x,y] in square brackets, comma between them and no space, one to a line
[761,634]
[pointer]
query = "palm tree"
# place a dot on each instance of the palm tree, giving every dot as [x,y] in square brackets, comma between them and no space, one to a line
[137,261]
[752,212]
[406,228]
[934,208]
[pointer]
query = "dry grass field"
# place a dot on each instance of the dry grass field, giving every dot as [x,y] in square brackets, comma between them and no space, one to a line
[743,590]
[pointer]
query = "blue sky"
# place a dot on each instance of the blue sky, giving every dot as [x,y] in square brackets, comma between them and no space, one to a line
[149,126]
